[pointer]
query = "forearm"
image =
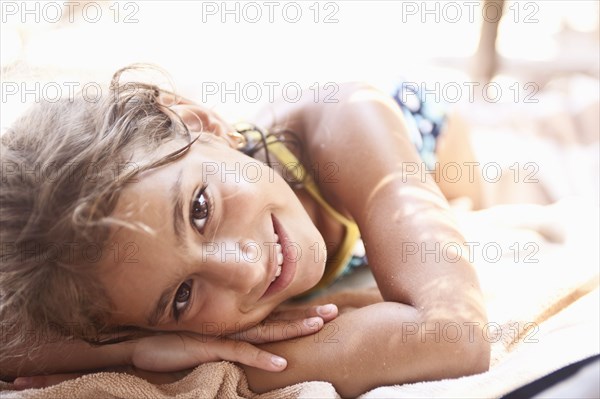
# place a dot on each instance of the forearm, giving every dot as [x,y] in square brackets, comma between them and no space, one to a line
[64,357]
[381,344]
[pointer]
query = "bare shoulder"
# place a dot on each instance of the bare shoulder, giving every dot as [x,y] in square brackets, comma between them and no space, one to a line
[304,115]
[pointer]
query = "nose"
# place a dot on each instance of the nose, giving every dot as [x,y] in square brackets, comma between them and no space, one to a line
[234,265]
[241,259]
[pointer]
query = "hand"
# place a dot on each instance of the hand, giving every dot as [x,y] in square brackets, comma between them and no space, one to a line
[177,351]
[154,357]
[278,326]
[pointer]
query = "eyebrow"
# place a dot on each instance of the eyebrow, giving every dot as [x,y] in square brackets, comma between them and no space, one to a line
[177,201]
[178,227]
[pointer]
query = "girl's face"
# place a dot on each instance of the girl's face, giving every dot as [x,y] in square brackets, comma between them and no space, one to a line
[231,242]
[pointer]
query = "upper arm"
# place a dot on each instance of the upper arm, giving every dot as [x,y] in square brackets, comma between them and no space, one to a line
[404,219]
[416,253]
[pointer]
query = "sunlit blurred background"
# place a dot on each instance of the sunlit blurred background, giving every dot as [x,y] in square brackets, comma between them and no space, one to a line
[543,131]
[548,50]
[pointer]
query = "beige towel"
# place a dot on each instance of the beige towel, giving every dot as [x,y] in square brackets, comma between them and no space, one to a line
[541,294]
[212,380]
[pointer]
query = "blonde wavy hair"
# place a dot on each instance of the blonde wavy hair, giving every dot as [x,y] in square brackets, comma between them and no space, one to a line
[64,165]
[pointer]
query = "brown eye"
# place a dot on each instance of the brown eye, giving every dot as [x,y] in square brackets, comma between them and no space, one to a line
[183,294]
[182,298]
[200,210]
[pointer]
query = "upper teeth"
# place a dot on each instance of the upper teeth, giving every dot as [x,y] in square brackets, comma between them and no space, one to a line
[279,254]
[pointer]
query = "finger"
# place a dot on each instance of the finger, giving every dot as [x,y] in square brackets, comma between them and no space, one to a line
[42,381]
[271,331]
[175,352]
[172,352]
[326,312]
[248,354]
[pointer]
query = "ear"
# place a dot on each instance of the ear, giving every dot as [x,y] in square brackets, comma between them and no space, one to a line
[195,118]
[199,119]
[170,99]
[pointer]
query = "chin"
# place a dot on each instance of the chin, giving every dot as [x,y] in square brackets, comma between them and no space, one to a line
[314,275]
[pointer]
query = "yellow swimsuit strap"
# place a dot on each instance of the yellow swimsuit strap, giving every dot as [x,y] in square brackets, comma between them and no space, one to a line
[336,264]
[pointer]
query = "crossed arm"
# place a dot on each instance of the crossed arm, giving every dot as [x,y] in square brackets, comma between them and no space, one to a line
[154,356]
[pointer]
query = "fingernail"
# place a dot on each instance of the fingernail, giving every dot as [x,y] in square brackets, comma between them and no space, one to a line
[326,309]
[279,362]
[312,322]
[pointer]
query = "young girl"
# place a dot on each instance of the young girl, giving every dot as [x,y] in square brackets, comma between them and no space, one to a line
[143,230]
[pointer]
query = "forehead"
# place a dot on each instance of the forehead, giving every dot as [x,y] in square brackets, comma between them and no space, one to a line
[146,197]
[150,198]
[142,254]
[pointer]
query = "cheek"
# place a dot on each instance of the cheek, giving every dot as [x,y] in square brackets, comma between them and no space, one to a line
[315,248]
[314,256]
